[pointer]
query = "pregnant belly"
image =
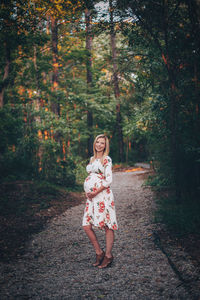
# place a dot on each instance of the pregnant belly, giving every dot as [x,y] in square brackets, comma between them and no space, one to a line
[92,182]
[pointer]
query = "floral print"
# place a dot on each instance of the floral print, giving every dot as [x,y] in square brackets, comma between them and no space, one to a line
[100,211]
[101,206]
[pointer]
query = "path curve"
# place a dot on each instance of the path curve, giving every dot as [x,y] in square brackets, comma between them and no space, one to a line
[57,264]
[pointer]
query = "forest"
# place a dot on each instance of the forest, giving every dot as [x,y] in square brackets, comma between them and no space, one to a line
[129,69]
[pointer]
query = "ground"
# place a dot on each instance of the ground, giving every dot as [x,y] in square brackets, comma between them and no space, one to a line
[57,261]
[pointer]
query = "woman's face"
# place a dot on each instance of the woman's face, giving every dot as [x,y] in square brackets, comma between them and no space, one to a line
[100,145]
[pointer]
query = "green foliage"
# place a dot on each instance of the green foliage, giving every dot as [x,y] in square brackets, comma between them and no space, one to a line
[61,173]
[18,148]
[164,49]
[81,172]
[20,145]
[158,69]
[11,126]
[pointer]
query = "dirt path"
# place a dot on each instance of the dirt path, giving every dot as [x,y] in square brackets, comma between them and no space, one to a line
[57,264]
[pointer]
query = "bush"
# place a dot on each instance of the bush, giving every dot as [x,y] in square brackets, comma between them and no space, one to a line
[24,156]
[179,218]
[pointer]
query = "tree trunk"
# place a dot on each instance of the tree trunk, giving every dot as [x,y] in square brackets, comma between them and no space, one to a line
[116,86]
[194,15]
[5,76]
[54,35]
[89,77]
[37,105]
[175,160]
[174,136]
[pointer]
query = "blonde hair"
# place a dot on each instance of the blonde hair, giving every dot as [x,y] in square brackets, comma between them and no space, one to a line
[106,150]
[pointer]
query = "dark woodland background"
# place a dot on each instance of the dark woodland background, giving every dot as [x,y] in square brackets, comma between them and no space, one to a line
[73,69]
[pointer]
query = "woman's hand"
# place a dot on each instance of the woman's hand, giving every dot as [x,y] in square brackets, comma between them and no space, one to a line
[91,195]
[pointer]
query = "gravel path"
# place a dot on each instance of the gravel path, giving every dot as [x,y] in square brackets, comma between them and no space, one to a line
[57,264]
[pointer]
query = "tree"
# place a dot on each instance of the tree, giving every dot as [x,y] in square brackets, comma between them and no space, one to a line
[88,19]
[166,27]
[54,41]
[116,85]
[18,24]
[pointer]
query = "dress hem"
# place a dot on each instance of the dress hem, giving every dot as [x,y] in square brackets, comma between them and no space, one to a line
[101,228]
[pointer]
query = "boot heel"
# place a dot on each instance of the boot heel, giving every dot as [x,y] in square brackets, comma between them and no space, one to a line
[106,262]
[99,259]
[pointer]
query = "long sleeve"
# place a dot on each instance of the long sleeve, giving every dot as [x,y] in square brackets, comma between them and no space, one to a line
[106,182]
[89,168]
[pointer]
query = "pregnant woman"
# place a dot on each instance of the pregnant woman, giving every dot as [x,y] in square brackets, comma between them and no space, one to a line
[100,207]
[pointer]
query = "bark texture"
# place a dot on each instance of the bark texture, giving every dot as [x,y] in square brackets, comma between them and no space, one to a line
[54,34]
[6,74]
[118,129]
[89,77]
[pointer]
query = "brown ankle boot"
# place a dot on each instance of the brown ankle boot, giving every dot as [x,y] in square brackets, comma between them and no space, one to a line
[107,261]
[99,259]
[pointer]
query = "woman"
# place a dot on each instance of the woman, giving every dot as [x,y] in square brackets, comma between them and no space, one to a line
[100,207]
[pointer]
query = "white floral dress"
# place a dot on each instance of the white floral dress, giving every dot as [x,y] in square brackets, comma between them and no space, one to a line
[100,210]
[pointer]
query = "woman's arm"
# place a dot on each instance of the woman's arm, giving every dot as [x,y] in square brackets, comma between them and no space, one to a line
[106,181]
[91,195]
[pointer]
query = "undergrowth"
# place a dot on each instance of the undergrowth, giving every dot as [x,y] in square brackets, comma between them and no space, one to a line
[23,197]
[180,217]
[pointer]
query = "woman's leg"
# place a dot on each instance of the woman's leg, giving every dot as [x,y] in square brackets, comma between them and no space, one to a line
[93,239]
[109,241]
[108,258]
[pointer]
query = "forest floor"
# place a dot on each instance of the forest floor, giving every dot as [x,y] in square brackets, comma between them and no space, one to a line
[51,257]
